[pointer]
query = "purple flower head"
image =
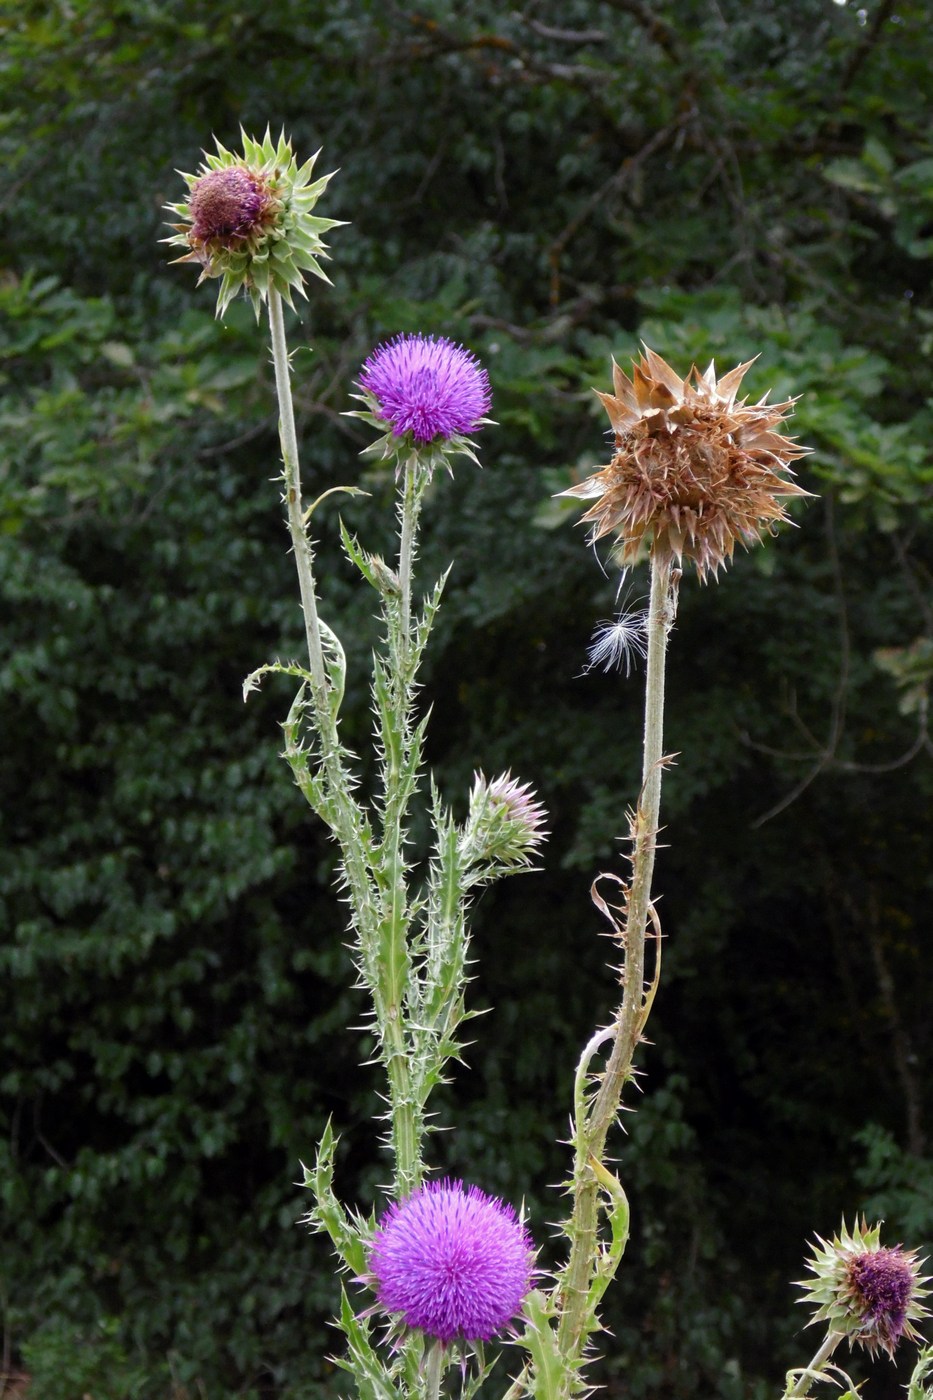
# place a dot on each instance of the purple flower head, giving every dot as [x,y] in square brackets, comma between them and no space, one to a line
[868,1291]
[227,203]
[880,1287]
[427,386]
[454,1262]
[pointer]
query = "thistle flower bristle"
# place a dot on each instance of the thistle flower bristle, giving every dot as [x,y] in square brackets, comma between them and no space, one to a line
[248,221]
[869,1292]
[426,388]
[452,1262]
[694,470]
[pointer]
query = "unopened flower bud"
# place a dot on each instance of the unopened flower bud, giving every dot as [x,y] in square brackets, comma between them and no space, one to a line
[506,823]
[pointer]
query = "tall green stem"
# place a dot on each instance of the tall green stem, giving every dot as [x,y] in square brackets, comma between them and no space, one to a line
[345,816]
[411,502]
[802,1384]
[591,1135]
[407,1109]
[301,542]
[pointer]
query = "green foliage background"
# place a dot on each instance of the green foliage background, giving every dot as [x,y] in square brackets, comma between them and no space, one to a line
[549,184]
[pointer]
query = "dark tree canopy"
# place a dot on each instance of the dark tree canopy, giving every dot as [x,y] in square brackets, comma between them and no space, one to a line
[550,185]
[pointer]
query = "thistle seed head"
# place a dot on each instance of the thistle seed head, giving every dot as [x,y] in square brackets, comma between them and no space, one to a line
[694,470]
[227,206]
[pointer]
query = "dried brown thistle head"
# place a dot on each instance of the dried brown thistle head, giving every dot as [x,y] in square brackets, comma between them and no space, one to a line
[693,470]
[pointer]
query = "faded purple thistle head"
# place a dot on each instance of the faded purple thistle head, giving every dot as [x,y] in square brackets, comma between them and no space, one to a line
[228,205]
[867,1291]
[454,1262]
[247,220]
[426,386]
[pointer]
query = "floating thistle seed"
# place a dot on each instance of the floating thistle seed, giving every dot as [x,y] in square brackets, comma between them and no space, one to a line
[694,470]
[615,643]
[248,221]
[868,1292]
[452,1261]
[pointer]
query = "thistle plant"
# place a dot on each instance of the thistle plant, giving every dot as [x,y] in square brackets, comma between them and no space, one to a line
[247,221]
[692,472]
[444,1269]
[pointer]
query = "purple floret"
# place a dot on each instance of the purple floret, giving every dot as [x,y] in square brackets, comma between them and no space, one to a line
[225,203]
[429,387]
[881,1284]
[454,1262]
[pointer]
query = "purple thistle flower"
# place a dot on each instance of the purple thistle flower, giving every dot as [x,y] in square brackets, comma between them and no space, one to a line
[880,1288]
[427,386]
[454,1262]
[868,1292]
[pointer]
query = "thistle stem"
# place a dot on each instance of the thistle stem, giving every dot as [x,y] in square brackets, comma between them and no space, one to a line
[591,1134]
[410,503]
[301,543]
[830,1343]
[433,1371]
[406,1108]
[405,1111]
[345,816]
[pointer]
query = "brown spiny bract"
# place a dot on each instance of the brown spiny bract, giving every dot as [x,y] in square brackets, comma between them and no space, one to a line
[694,470]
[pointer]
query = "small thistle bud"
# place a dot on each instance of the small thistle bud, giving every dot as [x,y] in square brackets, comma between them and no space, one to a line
[425,394]
[694,470]
[866,1291]
[452,1262]
[248,221]
[506,822]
